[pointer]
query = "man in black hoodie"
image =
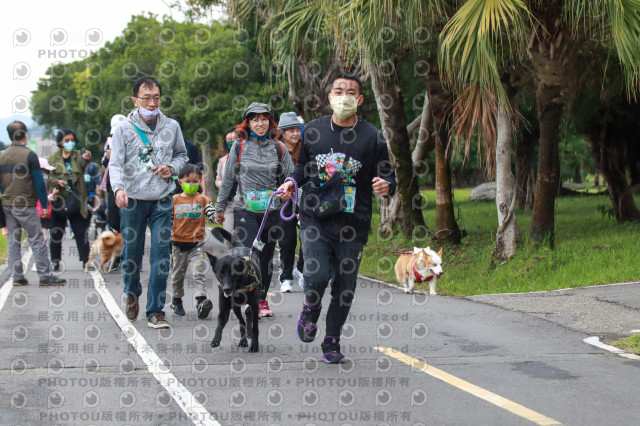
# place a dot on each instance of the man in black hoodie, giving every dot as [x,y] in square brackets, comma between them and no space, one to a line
[332,246]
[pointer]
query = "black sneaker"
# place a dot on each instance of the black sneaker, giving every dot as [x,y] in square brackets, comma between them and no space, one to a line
[307,328]
[177,308]
[204,307]
[52,281]
[20,282]
[56,266]
[331,350]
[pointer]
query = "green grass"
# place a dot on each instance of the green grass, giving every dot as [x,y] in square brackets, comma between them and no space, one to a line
[3,249]
[589,250]
[629,345]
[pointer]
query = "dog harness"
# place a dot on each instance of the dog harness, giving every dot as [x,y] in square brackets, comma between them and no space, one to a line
[419,278]
[251,271]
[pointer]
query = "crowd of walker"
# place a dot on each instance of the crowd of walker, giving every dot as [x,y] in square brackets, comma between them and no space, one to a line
[152,177]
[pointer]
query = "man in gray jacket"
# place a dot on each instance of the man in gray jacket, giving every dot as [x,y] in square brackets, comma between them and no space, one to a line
[147,151]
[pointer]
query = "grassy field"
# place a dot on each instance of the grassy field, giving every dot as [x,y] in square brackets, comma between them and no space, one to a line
[589,250]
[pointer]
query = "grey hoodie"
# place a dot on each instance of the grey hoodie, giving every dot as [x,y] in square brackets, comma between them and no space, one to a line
[129,166]
[257,171]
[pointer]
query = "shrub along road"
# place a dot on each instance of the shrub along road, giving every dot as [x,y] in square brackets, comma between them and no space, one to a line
[67,356]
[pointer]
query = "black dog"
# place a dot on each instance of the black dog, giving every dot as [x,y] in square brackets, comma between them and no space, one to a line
[239,283]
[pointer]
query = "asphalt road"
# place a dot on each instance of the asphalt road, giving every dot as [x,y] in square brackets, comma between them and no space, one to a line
[68,356]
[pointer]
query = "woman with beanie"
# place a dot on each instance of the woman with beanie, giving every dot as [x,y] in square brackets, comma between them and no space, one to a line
[259,163]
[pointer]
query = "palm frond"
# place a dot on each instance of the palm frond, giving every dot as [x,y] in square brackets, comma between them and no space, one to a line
[612,21]
[475,109]
[293,29]
[384,25]
[477,37]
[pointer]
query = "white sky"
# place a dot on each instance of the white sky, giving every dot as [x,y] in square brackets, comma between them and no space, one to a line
[33,30]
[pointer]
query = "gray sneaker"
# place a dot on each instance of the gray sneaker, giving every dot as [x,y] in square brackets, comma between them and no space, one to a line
[158,321]
[52,281]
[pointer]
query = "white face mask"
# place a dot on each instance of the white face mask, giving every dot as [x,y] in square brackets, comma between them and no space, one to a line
[344,106]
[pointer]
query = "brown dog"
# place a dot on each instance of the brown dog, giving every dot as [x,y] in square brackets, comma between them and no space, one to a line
[421,266]
[108,246]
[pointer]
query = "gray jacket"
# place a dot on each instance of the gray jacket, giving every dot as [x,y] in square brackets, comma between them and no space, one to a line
[257,172]
[129,166]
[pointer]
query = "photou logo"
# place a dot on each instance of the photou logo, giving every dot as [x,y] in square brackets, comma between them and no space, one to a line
[21,71]
[199,365]
[199,398]
[21,37]
[237,399]
[310,398]
[55,366]
[127,399]
[93,37]
[274,365]
[237,365]
[18,366]
[58,37]
[20,104]
[274,398]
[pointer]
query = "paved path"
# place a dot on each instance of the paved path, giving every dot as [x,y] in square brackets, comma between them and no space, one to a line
[67,356]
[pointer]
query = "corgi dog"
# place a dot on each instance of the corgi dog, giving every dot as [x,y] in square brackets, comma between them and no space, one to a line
[108,246]
[421,266]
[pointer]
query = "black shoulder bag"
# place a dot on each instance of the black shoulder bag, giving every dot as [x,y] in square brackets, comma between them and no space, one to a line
[66,206]
[325,200]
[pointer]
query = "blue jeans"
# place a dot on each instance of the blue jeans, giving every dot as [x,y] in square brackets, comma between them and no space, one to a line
[133,224]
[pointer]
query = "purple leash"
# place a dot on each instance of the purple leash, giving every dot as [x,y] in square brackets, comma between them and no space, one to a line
[294,198]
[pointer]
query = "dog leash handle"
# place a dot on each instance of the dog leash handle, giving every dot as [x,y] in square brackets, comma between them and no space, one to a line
[257,244]
[292,200]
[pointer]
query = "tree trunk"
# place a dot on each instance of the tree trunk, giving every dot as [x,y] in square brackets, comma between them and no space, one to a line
[525,176]
[548,52]
[209,174]
[315,86]
[424,142]
[440,102]
[608,151]
[543,216]
[577,175]
[508,235]
[390,105]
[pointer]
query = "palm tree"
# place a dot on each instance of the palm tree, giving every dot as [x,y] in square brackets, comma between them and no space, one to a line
[483,35]
[407,19]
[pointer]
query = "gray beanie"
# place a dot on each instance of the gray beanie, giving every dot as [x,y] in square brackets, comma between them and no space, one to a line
[257,108]
[289,120]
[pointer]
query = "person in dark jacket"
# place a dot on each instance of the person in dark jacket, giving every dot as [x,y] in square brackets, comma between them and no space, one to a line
[22,186]
[289,128]
[332,246]
[228,138]
[69,169]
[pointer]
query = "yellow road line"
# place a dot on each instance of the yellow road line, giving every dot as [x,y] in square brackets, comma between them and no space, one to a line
[491,397]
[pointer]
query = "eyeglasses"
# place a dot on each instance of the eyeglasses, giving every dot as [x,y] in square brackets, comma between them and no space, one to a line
[155,99]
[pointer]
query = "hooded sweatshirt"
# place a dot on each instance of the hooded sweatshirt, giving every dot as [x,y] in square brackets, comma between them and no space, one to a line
[130,165]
